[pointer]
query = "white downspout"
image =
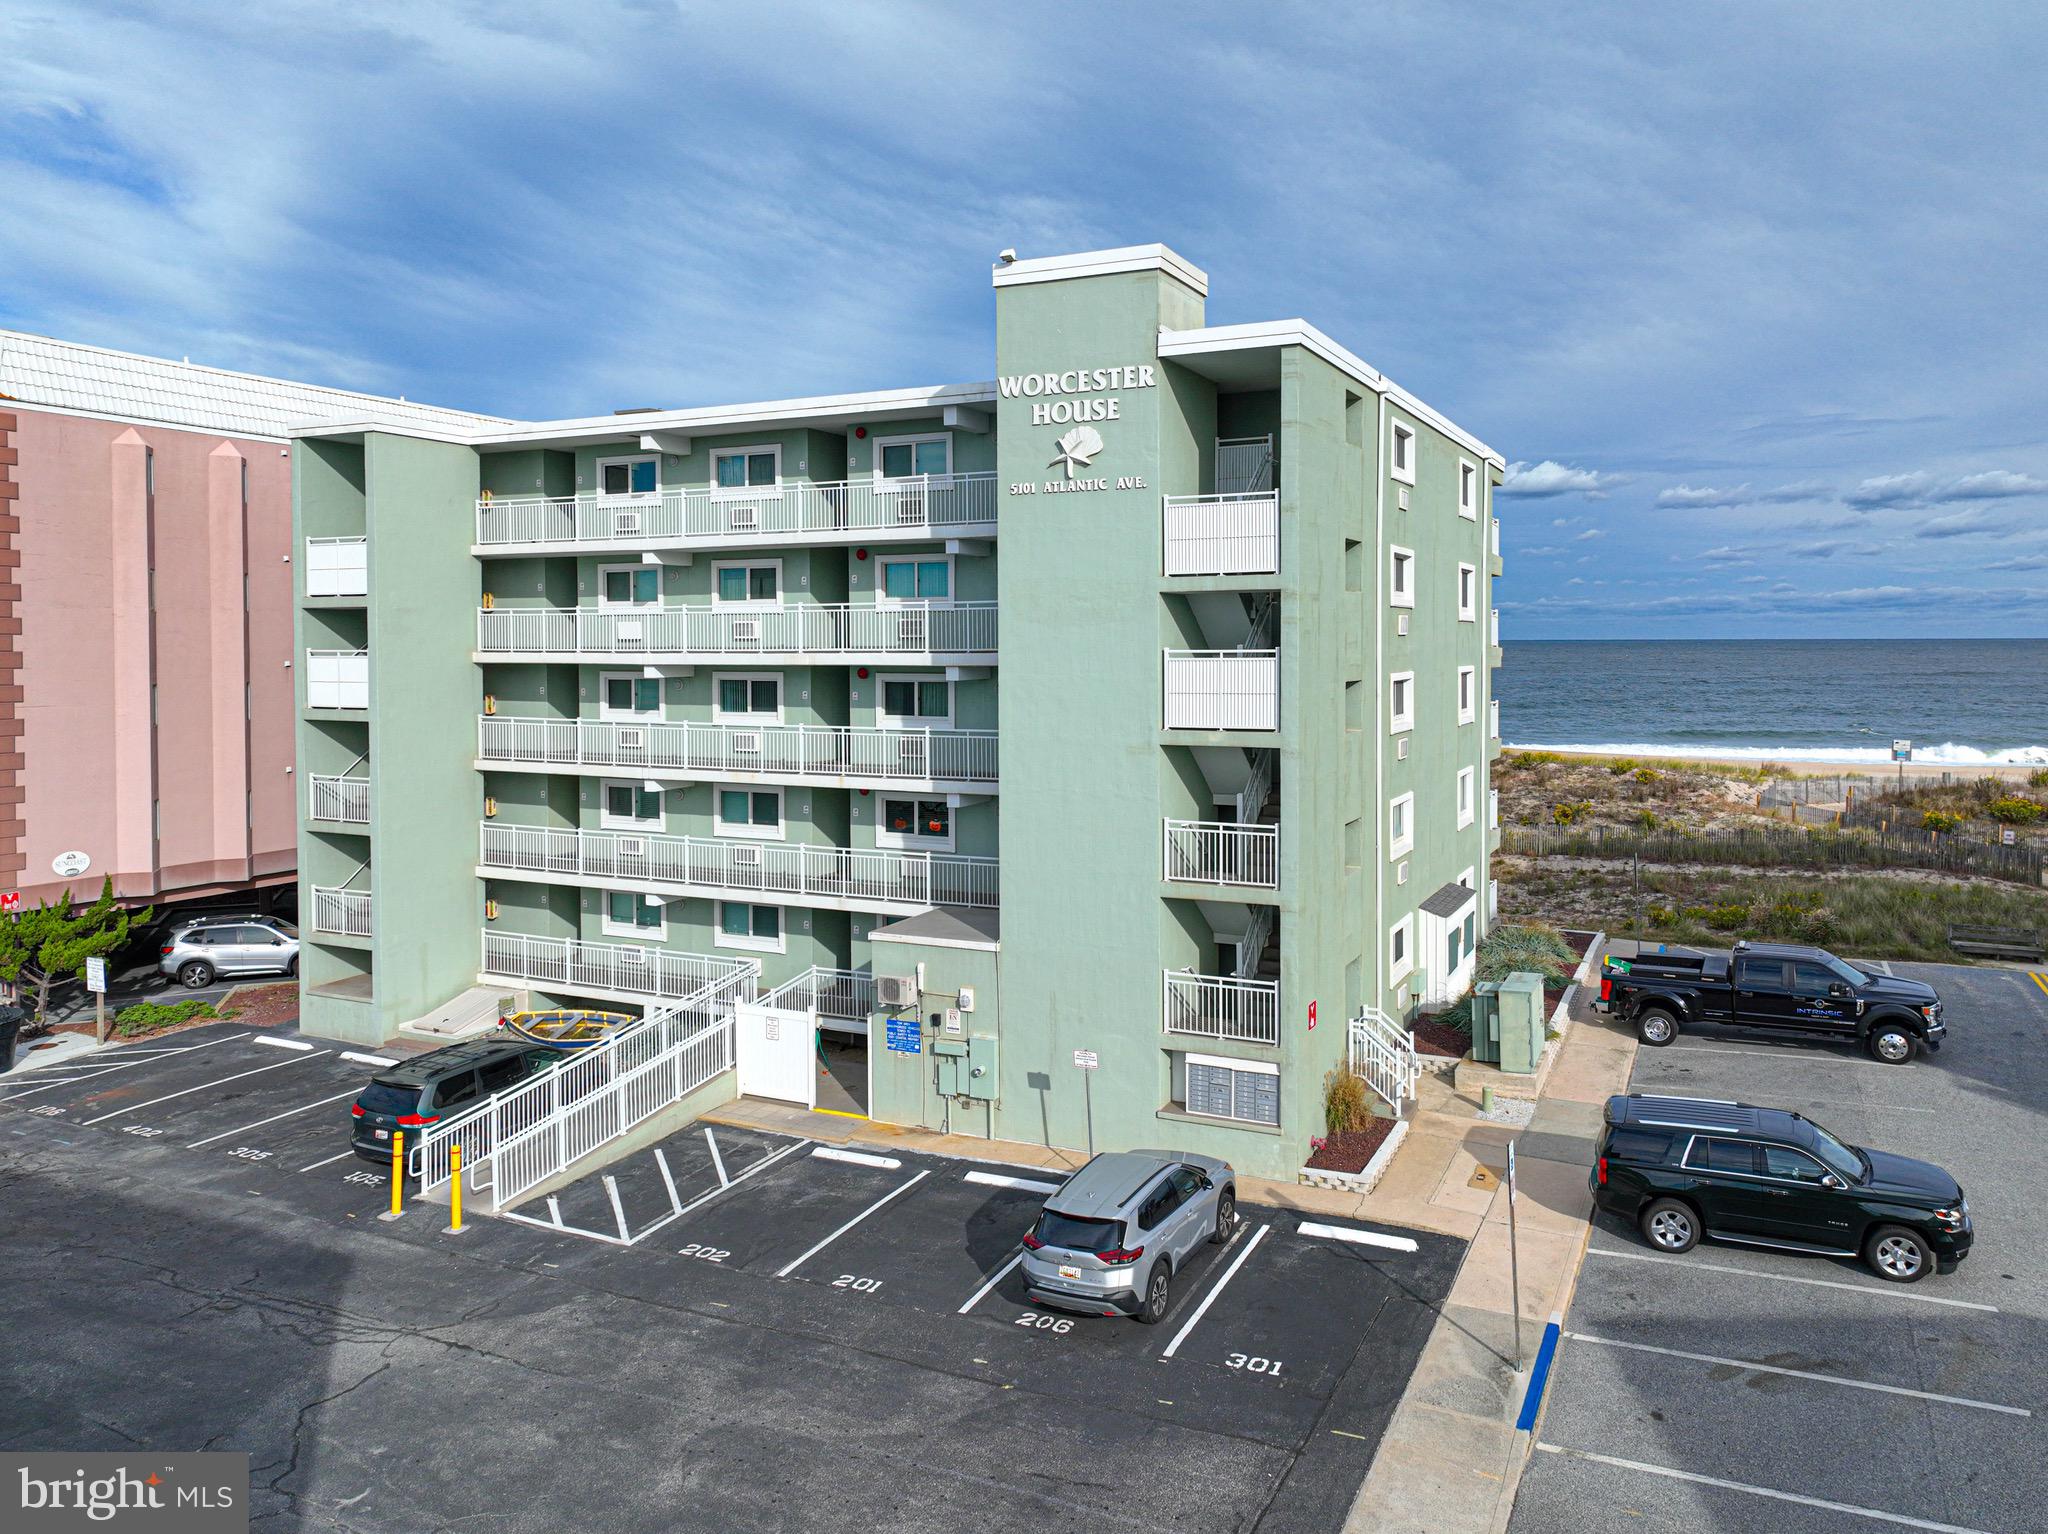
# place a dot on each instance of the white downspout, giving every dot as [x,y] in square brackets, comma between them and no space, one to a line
[1377,620]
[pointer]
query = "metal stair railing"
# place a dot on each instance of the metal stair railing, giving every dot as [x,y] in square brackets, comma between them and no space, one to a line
[1383,1052]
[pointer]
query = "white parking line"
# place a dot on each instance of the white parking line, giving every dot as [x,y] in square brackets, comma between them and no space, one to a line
[223,1081]
[328,1162]
[1879,965]
[127,1062]
[675,1199]
[1760,1491]
[858,1158]
[790,1267]
[611,1188]
[1898,1293]
[717,1161]
[557,1225]
[1210,1298]
[1800,1374]
[1361,1237]
[277,1043]
[1785,1052]
[337,1097]
[760,1166]
[994,1278]
[997,1180]
[351,1055]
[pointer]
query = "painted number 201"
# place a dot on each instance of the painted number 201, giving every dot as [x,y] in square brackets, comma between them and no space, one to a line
[858,1285]
[1253,1365]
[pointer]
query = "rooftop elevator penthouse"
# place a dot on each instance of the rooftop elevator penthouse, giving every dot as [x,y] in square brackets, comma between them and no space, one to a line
[791,713]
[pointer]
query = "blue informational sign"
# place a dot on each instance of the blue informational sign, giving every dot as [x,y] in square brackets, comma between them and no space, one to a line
[905,1036]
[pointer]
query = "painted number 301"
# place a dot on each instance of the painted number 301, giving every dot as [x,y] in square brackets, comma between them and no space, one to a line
[1253,1365]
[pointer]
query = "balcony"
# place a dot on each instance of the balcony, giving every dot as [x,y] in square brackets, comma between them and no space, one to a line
[1493,729]
[915,632]
[865,510]
[1221,852]
[1222,689]
[565,964]
[338,679]
[340,799]
[341,912]
[770,753]
[837,878]
[1218,1007]
[1493,636]
[337,567]
[1222,534]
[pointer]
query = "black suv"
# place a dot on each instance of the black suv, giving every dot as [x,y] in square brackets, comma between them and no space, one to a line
[1686,1167]
[421,1091]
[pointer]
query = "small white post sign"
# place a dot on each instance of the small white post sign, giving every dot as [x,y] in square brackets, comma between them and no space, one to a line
[96,976]
[1085,1058]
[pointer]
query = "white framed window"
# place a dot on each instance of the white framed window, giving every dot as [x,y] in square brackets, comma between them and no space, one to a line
[1401,452]
[916,702]
[746,697]
[629,585]
[638,475]
[1468,878]
[746,582]
[1468,594]
[1245,1090]
[1401,702]
[905,820]
[907,457]
[923,578]
[1467,803]
[629,807]
[1400,576]
[1400,826]
[745,470]
[1400,949]
[758,928]
[1468,694]
[628,695]
[752,812]
[1468,489]
[628,913]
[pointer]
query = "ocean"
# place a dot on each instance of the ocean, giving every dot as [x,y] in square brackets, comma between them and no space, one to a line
[1960,701]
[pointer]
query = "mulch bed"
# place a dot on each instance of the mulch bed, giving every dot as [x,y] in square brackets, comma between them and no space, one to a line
[1578,941]
[1435,1038]
[1350,1151]
[263,1006]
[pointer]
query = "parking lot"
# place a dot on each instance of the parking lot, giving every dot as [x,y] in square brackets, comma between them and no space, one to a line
[1734,1388]
[746,1276]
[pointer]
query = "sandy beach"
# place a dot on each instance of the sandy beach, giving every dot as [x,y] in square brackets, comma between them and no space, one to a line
[1809,767]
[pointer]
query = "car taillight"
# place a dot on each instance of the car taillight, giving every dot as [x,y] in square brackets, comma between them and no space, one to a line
[1031,1241]
[1118,1256]
[1606,988]
[414,1121]
[356,1109]
[168,947]
[1602,1173]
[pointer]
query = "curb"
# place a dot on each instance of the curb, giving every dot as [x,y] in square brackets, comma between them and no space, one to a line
[1366,1179]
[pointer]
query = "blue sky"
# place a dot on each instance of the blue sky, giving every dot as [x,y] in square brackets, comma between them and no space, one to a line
[1751,296]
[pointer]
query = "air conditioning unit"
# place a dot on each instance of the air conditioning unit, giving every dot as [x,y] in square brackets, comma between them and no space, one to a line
[747,857]
[743,516]
[910,747]
[632,956]
[627,523]
[896,990]
[630,631]
[747,742]
[632,846]
[632,740]
[1401,497]
[746,631]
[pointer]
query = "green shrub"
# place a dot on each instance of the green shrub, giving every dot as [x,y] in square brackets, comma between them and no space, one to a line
[1647,819]
[1939,820]
[1646,775]
[2013,810]
[2038,778]
[1345,1107]
[1572,812]
[1622,766]
[1729,916]
[148,1016]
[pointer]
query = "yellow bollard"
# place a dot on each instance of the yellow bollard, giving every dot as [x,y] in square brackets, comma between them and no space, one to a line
[397,1176]
[455,1189]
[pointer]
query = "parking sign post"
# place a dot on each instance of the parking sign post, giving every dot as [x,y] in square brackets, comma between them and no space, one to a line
[1087,1061]
[96,982]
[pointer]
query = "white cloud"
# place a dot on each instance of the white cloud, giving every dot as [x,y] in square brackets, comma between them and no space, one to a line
[1591,532]
[2021,562]
[1706,497]
[1922,488]
[1541,480]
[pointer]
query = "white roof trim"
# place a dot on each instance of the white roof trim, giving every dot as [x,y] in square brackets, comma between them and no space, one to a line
[1298,332]
[1098,263]
[709,419]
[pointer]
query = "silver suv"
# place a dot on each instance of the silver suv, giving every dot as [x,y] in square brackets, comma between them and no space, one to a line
[194,953]
[1109,1242]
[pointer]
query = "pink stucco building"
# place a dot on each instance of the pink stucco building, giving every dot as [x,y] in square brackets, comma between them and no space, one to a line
[146,713]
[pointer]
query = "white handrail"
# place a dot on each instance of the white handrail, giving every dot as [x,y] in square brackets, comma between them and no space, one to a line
[1251,948]
[840,993]
[864,878]
[346,913]
[803,751]
[1219,852]
[878,507]
[1220,1007]
[343,799]
[906,629]
[1258,784]
[1383,1052]
[1244,463]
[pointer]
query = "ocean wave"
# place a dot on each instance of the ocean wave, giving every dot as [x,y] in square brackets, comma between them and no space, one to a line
[1948,754]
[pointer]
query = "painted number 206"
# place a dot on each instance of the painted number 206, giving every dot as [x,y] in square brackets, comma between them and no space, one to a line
[1253,1365]
[1043,1323]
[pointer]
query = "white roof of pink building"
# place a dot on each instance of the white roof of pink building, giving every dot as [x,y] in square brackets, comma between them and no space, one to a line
[93,380]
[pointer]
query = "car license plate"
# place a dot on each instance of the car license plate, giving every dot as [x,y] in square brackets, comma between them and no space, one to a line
[383,1134]
[1066,1272]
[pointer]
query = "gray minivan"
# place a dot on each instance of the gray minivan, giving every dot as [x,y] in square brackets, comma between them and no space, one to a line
[1109,1242]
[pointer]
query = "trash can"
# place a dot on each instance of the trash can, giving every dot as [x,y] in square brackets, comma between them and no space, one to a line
[11,1019]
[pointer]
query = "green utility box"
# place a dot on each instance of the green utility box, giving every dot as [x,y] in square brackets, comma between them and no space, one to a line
[1519,1008]
[1486,1022]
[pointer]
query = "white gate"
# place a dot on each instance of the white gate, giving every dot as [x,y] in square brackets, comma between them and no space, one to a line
[777,1054]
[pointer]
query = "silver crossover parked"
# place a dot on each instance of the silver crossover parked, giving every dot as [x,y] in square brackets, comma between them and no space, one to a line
[252,945]
[1109,1242]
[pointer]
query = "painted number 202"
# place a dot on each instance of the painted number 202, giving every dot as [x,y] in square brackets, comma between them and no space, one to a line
[1252,1365]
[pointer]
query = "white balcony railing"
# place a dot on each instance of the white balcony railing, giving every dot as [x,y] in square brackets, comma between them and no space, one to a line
[871,507]
[1218,852]
[337,679]
[847,994]
[337,567]
[1244,463]
[821,753]
[566,964]
[342,799]
[1493,718]
[910,629]
[1493,626]
[1217,1007]
[1222,689]
[862,878]
[345,913]
[1493,809]
[1222,534]
[1495,534]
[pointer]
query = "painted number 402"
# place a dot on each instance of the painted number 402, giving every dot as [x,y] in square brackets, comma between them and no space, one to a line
[1252,1365]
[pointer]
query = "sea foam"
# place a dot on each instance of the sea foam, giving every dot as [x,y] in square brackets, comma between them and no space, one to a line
[1948,754]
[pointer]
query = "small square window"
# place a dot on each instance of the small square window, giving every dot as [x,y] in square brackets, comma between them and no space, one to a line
[1401,577]
[1466,809]
[754,812]
[1468,593]
[747,468]
[632,586]
[749,583]
[631,696]
[1468,694]
[1401,701]
[627,476]
[911,822]
[1400,826]
[628,914]
[1468,489]
[749,699]
[1401,455]
[925,580]
[631,806]
[917,701]
[758,927]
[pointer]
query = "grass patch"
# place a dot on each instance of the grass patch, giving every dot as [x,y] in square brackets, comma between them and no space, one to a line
[146,1017]
[1509,948]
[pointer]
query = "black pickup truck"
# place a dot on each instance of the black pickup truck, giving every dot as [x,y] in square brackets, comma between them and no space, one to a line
[1772,987]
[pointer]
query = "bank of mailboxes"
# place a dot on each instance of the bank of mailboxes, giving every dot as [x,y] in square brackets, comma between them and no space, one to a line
[1507,1022]
[967,1066]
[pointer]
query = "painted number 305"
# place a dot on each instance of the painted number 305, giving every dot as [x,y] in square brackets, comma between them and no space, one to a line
[1253,1365]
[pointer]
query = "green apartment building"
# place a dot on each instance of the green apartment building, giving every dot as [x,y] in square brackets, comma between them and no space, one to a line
[1105,745]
